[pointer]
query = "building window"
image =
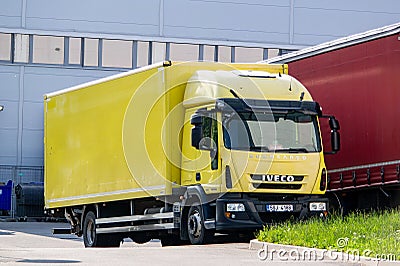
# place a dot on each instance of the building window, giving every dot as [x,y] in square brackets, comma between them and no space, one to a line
[159,52]
[21,49]
[208,53]
[224,54]
[184,52]
[91,52]
[74,51]
[117,53]
[142,54]
[5,46]
[273,53]
[48,49]
[248,55]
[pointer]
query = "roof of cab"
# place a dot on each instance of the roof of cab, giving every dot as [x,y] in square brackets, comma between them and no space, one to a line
[205,86]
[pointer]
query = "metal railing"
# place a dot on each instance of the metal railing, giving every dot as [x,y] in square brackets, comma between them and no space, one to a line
[21,175]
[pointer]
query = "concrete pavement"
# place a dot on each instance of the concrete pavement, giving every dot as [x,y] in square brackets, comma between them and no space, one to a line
[32,243]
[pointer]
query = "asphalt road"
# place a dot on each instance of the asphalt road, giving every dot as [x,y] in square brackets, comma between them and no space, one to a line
[31,243]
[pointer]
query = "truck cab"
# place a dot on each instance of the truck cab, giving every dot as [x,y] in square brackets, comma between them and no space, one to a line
[252,149]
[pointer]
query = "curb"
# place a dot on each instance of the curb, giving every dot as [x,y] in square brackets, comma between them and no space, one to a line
[8,220]
[286,253]
[34,219]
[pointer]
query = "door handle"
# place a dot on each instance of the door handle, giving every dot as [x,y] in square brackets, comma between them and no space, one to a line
[198,176]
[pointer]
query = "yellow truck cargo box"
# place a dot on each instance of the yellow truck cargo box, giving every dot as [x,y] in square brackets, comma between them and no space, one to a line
[120,137]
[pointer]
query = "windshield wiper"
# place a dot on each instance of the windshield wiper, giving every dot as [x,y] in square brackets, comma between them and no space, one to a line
[259,148]
[293,150]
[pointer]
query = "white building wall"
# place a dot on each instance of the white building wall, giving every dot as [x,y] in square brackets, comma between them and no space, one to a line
[42,43]
[298,22]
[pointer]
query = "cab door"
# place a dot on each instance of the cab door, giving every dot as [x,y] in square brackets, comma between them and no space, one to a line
[204,138]
[209,167]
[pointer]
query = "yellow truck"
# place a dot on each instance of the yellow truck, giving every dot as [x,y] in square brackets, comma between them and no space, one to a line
[181,150]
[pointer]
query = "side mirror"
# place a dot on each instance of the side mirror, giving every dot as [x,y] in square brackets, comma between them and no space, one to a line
[335,135]
[334,123]
[335,141]
[207,144]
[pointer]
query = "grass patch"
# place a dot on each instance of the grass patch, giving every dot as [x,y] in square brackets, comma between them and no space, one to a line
[371,233]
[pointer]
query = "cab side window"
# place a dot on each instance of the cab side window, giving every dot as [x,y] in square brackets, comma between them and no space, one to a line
[210,134]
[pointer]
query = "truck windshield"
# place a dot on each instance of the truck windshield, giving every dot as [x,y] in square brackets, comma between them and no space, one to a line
[294,132]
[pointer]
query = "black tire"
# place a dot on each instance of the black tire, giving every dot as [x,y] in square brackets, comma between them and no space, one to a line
[335,205]
[172,240]
[140,238]
[91,239]
[197,233]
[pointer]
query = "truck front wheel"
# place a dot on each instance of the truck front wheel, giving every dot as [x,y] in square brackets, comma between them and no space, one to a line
[197,232]
[91,239]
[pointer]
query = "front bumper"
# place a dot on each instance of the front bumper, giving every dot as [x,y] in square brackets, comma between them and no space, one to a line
[256,214]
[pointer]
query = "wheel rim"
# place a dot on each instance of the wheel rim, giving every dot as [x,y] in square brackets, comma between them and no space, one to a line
[194,224]
[90,232]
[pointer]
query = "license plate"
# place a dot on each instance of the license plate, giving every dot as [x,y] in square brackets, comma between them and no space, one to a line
[279,208]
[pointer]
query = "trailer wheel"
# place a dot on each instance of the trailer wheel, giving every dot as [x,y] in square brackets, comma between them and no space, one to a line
[91,239]
[198,234]
[335,205]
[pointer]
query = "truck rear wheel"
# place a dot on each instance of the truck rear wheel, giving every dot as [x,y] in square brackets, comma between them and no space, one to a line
[91,239]
[197,232]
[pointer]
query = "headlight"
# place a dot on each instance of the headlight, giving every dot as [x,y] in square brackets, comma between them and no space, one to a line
[235,207]
[317,206]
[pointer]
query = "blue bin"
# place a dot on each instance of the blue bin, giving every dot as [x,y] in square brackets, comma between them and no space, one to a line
[5,196]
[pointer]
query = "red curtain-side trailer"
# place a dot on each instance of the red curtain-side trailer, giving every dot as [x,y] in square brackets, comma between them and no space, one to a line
[357,79]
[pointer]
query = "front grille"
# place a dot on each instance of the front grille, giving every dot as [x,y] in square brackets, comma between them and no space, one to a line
[277,186]
[296,178]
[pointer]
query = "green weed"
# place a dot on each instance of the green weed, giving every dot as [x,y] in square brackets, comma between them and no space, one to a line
[370,233]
